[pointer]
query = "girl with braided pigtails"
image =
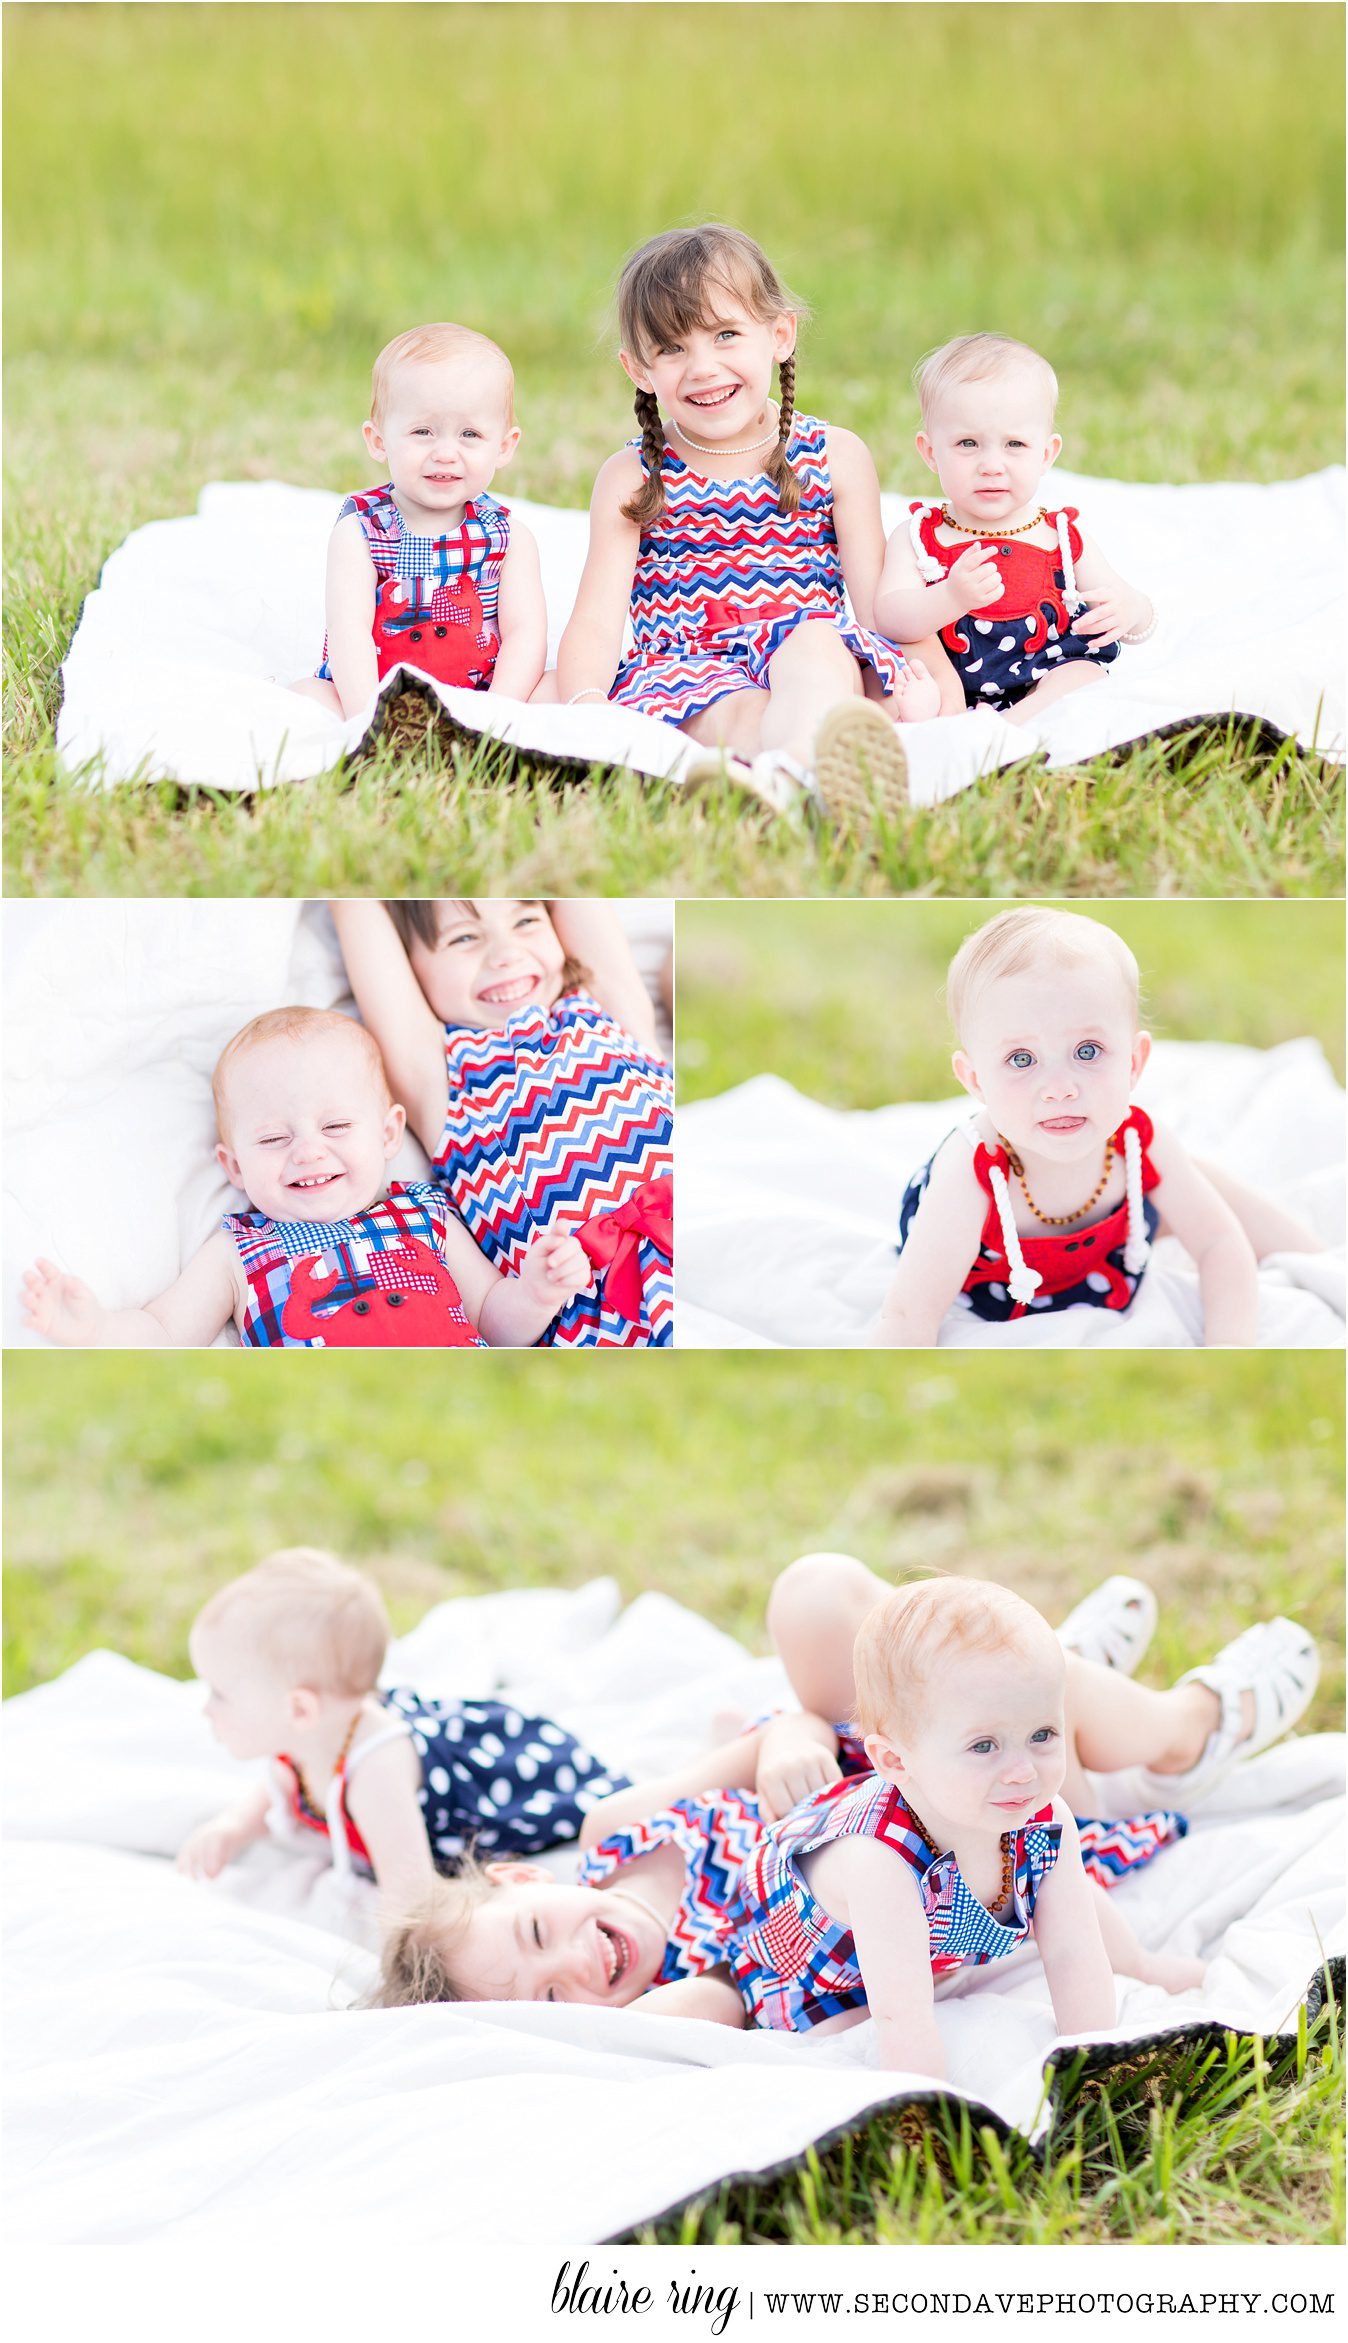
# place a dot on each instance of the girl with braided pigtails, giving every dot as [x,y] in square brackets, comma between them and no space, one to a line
[727,534]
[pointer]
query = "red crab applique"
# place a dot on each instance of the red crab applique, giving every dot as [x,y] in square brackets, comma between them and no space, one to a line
[414,1305]
[448,640]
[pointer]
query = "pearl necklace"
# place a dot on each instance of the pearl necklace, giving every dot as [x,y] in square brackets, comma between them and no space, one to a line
[1059,1219]
[1006,1843]
[754,448]
[950,522]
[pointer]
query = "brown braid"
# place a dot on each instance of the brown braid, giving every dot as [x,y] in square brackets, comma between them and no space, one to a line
[648,503]
[783,475]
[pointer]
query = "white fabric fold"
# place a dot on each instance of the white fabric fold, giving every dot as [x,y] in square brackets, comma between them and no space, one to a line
[180,662]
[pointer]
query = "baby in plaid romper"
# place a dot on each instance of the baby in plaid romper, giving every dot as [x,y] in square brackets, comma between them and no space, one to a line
[428,570]
[330,1253]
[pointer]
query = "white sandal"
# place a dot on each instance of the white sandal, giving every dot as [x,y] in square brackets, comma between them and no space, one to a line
[1278,1664]
[776,783]
[1112,1625]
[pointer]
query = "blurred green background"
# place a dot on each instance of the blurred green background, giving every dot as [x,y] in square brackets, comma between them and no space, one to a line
[215,215]
[135,1485]
[847,1000]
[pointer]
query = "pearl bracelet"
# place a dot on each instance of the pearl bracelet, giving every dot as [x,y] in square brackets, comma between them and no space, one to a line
[1143,634]
[591,692]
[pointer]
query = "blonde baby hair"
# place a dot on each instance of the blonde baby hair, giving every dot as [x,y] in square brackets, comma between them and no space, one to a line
[918,1628]
[292,1024]
[427,345]
[1016,940]
[664,290]
[416,1961]
[316,1620]
[977,358]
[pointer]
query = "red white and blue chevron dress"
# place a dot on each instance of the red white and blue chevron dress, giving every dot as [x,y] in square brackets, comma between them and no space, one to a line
[436,597]
[560,1118]
[716,1836]
[795,1965]
[377,1281]
[723,578]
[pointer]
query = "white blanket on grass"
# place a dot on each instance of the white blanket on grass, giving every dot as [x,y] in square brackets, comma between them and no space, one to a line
[115,1014]
[181,2059]
[178,666]
[788,1210]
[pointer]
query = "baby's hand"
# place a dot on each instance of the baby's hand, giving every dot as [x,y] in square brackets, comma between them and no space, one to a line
[211,1846]
[974,580]
[1110,614]
[917,694]
[61,1307]
[556,1268]
[791,1766]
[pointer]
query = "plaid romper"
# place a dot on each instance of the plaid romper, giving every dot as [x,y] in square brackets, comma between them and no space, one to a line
[723,578]
[1002,651]
[492,1779]
[376,1282]
[1083,1264]
[795,1965]
[436,597]
[560,1117]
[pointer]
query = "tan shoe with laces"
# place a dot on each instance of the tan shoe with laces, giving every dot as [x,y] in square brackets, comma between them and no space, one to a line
[860,768]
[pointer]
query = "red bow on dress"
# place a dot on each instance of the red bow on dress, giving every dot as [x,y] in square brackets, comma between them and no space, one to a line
[612,1241]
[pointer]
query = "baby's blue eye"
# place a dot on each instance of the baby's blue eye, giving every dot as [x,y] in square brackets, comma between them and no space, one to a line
[1045,1733]
[1088,1052]
[1020,1059]
[981,1748]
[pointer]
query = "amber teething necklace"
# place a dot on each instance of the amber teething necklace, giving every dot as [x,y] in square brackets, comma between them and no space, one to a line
[1006,1843]
[950,522]
[1058,1219]
[342,1755]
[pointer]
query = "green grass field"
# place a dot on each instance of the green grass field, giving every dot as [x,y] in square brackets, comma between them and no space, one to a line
[847,1000]
[128,1496]
[198,274]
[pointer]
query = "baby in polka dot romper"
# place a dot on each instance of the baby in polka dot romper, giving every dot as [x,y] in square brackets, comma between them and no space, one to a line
[291,1655]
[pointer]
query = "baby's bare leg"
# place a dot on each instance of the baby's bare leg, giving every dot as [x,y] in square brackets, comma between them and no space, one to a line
[1173,1972]
[814,1610]
[1054,687]
[1269,1228]
[545,692]
[316,687]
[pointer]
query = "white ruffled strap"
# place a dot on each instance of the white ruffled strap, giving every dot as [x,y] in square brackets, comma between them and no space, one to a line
[334,1814]
[1023,1283]
[1075,601]
[929,568]
[1138,1247]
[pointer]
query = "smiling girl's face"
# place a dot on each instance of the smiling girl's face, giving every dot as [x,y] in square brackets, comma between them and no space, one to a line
[492,956]
[533,1938]
[715,379]
[1053,1054]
